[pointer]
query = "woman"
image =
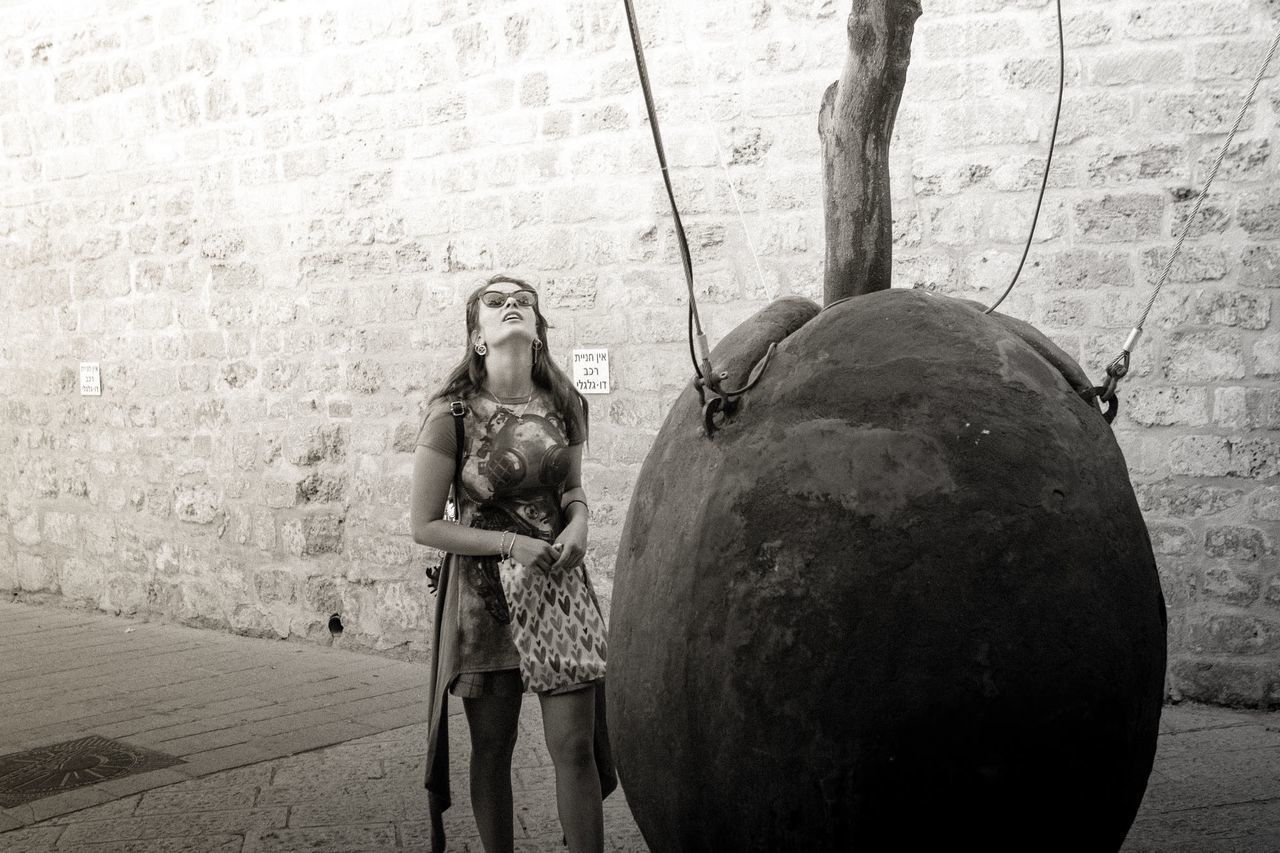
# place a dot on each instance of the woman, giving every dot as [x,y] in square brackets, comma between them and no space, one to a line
[522,495]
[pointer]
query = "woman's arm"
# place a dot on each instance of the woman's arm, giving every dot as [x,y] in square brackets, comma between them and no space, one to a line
[573,538]
[432,477]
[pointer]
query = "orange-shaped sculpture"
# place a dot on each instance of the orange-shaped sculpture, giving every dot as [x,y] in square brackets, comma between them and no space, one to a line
[903,599]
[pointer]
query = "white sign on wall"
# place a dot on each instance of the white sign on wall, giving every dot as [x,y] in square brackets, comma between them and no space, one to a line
[591,370]
[90,379]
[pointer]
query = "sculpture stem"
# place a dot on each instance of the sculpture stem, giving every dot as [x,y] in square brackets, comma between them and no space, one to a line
[855,124]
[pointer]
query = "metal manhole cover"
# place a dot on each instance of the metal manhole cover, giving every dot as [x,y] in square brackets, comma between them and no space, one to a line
[47,770]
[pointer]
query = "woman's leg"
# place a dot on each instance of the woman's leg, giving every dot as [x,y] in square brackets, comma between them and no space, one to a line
[493,721]
[569,722]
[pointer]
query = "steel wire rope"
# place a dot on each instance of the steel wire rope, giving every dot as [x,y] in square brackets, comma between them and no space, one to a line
[1119,366]
[1213,173]
[1044,181]
[695,321]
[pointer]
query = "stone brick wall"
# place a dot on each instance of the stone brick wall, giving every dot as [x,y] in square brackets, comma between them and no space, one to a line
[260,218]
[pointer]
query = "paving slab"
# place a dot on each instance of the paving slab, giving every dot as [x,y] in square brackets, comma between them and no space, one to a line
[329,757]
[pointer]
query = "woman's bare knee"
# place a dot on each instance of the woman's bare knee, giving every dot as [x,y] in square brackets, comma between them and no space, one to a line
[569,724]
[571,750]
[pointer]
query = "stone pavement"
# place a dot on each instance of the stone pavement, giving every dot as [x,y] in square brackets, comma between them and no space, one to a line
[292,747]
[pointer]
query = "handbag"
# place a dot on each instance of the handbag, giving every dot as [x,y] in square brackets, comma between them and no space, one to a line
[453,506]
[556,624]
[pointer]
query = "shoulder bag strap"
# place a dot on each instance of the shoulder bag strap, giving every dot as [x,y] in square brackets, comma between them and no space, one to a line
[459,410]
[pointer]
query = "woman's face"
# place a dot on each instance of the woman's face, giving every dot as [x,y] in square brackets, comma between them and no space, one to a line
[506,320]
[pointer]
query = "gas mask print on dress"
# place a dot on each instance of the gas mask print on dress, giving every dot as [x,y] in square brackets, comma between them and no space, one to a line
[525,453]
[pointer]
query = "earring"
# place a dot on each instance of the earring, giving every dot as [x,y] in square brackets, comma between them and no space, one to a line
[537,346]
[481,349]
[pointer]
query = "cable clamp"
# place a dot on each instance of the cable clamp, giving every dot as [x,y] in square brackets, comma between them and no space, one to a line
[1116,370]
[724,403]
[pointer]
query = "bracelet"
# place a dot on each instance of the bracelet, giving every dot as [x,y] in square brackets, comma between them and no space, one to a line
[565,508]
[503,551]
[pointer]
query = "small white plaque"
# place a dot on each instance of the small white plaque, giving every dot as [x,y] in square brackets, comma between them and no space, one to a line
[90,379]
[591,370]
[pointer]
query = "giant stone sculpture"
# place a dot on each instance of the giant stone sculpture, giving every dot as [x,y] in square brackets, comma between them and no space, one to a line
[903,598]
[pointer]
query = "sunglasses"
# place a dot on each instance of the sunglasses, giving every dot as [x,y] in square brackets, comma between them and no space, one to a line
[498,298]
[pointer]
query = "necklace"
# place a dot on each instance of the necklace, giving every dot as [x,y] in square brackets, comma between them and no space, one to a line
[510,403]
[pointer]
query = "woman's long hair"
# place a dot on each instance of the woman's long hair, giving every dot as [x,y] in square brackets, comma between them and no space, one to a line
[468,376]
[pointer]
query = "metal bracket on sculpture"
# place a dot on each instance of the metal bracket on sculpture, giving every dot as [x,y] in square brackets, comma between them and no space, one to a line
[1106,393]
[1113,402]
[725,403]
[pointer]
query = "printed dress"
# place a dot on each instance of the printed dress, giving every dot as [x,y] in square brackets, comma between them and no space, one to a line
[515,465]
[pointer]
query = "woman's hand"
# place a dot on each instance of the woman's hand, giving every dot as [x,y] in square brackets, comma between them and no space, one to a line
[533,553]
[572,543]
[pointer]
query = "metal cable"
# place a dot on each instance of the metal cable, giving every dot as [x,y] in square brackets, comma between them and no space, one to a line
[1186,229]
[1044,181]
[695,322]
[1119,366]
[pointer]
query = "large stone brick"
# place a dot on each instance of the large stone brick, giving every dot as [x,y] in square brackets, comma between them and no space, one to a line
[1236,587]
[1229,59]
[1203,356]
[1228,682]
[1160,21]
[1247,408]
[1219,307]
[1159,160]
[1260,215]
[474,48]
[198,504]
[61,529]
[319,533]
[1200,456]
[322,488]
[36,573]
[1260,267]
[1244,160]
[1266,356]
[87,81]
[1249,544]
[1272,595]
[8,567]
[1185,500]
[1093,114]
[275,585]
[1113,218]
[1195,263]
[941,38]
[1169,539]
[1255,457]
[26,530]
[80,579]
[1009,222]
[1266,504]
[1125,67]
[281,492]
[1231,633]
[1168,406]
[987,121]
[309,445]
[1204,111]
